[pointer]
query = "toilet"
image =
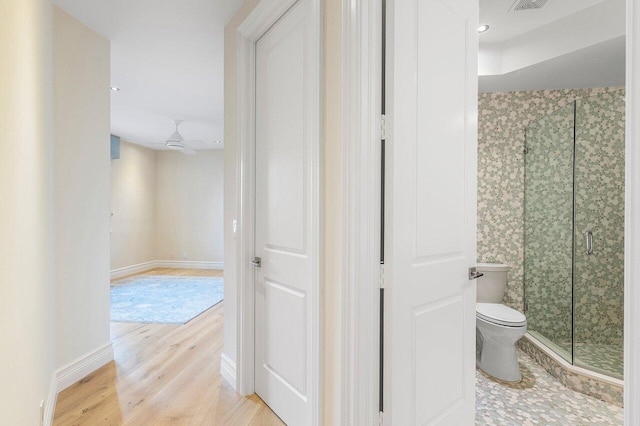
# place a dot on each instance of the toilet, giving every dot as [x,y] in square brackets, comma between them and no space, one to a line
[498,327]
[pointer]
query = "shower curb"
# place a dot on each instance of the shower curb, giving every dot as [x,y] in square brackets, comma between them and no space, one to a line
[596,385]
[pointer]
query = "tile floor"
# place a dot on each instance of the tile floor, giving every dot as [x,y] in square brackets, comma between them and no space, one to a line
[606,359]
[538,400]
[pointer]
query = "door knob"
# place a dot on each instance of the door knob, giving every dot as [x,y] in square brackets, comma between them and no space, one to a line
[257,262]
[473,273]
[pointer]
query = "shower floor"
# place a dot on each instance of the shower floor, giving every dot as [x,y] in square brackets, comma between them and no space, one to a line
[539,399]
[604,359]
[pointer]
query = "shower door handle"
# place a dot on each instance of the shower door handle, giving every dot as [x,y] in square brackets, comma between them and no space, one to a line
[588,236]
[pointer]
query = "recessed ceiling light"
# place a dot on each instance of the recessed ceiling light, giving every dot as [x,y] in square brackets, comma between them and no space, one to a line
[483,28]
[115,89]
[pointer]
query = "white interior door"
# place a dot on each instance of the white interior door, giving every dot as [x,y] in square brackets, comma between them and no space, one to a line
[430,301]
[286,215]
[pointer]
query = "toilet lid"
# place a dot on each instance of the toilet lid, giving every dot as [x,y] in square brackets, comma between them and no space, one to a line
[500,314]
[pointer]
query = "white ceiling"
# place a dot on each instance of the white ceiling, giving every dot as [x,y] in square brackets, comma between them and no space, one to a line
[506,24]
[167,59]
[565,44]
[589,67]
[167,56]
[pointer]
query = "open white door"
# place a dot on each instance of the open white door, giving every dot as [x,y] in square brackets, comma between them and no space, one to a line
[287,112]
[431,223]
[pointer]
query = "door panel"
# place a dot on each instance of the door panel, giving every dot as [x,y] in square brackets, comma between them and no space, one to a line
[430,301]
[287,212]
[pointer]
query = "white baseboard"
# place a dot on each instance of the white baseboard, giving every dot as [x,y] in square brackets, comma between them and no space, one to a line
[152,264]
[50,404]
[228,370]
[83,366]
[69,374]
[189,264]
[133,269]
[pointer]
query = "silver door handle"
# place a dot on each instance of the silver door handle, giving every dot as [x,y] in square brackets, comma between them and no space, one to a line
[588,236]
[257,262]
[473,273]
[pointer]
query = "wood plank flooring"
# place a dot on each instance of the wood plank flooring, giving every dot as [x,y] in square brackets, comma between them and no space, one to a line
[163,375]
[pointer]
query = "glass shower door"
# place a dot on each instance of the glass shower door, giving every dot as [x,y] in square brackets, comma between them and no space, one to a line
[599,233]
[548,265]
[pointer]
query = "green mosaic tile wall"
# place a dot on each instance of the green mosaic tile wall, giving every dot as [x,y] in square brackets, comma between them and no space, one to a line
[503,118]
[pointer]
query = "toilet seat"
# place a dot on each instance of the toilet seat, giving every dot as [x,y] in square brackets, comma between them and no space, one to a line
[499,314]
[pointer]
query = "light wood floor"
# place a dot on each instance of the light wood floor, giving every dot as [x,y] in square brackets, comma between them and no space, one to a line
[163,375]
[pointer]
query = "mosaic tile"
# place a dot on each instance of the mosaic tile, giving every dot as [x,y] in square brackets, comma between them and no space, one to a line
[548,224]
[607,359]
[539,399]
[599,197]
[601,390]
[596,297]
[502,118]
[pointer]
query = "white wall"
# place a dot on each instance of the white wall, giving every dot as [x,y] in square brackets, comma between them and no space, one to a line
[632,222]
[26,286]
[189,206]
[133,204]
[81,187]
[166,204]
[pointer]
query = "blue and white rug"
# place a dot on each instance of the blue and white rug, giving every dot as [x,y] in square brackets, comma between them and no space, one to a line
[163,299]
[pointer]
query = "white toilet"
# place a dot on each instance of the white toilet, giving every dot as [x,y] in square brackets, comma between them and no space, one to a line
[498,327]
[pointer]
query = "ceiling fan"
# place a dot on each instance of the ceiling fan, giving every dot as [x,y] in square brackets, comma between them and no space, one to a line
[177,143]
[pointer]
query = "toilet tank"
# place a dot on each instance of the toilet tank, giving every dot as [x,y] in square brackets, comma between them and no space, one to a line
[492,285]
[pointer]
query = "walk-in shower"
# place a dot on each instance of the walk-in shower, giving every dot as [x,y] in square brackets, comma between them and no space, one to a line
[574,231]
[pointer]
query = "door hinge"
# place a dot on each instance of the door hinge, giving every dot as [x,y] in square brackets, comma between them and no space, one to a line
[380,418]
[383,127]
[381,276]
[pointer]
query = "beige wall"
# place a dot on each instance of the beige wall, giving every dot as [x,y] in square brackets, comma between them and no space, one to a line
[189,206]
[26,286]
[332,288]
[332,192]
[81,187]
[133,205]
[164,204]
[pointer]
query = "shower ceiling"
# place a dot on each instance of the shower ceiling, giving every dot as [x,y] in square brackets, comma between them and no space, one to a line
[565,44]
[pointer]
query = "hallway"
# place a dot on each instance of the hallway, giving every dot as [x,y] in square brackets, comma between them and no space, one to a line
[163,375]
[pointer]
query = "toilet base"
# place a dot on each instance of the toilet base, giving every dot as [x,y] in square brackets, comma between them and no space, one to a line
[496,351]
[501,363]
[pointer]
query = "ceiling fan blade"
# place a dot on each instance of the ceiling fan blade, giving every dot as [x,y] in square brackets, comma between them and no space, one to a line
[188,151]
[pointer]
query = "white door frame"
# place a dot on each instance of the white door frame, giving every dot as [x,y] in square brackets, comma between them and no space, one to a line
[263,16]
[361,135]
[632,221]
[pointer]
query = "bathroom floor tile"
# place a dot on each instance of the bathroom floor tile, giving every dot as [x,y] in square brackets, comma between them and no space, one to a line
[538,400]
[607,359]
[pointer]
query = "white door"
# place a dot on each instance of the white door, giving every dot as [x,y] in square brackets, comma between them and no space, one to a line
[287,214]
[430,301]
